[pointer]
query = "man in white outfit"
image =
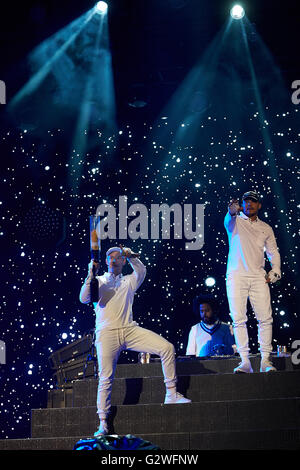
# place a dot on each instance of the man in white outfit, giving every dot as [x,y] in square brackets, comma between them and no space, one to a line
[116,330]
[249,238]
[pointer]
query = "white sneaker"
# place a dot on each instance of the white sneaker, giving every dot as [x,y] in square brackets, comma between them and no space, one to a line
[102,430]
[175,398]
[243,368]
[267,366]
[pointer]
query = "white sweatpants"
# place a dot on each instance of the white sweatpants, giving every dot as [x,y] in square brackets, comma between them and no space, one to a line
[110,343]
[239,289]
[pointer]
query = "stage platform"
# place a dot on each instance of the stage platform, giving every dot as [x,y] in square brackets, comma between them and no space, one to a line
[228,411]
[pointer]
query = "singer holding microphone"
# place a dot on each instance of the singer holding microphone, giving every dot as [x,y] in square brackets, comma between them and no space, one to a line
[116,330]
[249,239]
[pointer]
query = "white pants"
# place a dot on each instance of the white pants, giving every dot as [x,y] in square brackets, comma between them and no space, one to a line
[110,343]
[239,289]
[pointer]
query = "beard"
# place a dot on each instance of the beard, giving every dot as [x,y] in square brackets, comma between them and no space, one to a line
[210,320]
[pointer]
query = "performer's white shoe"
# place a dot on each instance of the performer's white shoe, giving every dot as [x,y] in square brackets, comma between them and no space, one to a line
[176,398]
[102,430]
[243,368]
[267,366]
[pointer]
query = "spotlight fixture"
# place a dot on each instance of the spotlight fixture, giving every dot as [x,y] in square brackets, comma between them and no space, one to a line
[101,7]
[237,12]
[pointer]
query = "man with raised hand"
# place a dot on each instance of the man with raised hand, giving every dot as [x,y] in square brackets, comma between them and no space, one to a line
[249,238]
[116,330]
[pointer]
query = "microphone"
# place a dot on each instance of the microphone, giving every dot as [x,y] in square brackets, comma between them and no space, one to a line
[132,254]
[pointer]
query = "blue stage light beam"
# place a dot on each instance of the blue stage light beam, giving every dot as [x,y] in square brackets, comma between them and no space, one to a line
[67,37]
[71,87]
[190,103]
[97,101]
[278,87]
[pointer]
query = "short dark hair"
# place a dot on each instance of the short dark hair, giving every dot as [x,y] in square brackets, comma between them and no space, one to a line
[205,299]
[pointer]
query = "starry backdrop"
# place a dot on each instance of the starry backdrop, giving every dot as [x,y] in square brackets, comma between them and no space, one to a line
[174,143]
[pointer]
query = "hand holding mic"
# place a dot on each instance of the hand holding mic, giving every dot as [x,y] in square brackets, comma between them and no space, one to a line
[272,277]
[128,253]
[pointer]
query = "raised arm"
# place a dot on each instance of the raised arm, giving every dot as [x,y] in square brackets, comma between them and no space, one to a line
[85,292]
[230,218]
[139,272]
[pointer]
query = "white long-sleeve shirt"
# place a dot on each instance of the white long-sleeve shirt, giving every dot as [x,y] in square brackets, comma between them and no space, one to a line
[116,294]
[248,241]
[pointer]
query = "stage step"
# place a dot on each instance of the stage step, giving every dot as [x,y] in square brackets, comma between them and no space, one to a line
[228,411]
[285,439]
[73,370]
[206,387]
[186,365]
[143,383]
[237,415]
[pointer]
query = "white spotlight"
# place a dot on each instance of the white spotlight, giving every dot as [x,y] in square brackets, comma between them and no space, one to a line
[237,12]
[101,7]
[210,282]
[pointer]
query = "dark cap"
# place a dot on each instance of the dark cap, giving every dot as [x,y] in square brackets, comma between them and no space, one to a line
[251,195]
